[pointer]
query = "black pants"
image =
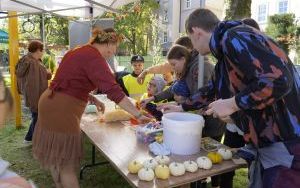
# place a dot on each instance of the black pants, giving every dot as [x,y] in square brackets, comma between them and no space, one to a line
[34,117]
[233,140]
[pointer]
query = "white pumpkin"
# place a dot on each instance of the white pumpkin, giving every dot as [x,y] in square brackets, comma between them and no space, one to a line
[150,163]
[177,169]
[146,174]
[204,162]
[225,153]
[162,159]
[190,166]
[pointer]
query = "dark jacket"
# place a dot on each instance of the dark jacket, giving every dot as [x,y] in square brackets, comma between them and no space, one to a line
[32,80]
[213,126]
[266,86]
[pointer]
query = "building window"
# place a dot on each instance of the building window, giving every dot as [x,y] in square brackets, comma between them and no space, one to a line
[165,37]
[283,7]
[262,13]
[165,16]
[188,3]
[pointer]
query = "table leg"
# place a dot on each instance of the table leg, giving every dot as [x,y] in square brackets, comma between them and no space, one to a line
[93,164]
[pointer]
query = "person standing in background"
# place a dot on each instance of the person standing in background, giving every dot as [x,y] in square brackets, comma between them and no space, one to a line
[32,81]
[130,84]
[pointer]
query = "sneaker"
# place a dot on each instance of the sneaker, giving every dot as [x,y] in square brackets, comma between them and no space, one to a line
[27,142]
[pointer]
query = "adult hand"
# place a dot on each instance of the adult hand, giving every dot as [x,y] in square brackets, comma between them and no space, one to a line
[49,74]
[222,108]
[100,106]
[167,108]
[144,102]
[141,77]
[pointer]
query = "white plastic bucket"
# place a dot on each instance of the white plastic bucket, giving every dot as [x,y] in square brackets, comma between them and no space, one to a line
[183,132]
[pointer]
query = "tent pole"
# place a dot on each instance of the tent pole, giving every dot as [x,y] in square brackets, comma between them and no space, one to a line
[13,44]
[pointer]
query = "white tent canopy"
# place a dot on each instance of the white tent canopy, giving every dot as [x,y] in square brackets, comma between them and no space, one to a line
[73,8]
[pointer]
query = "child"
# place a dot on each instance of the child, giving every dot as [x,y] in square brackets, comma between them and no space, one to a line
[129,82]
[156,85]
[180,91]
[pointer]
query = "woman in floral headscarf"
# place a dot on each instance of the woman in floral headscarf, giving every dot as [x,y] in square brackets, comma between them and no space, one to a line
[57,141]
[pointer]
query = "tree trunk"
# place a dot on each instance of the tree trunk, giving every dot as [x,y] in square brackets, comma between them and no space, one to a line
[41,28]
[133,41]
[238,9]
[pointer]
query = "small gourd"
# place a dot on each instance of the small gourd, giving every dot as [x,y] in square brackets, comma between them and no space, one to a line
[204,163]
[177,169]
[214,157]
[225,153]
[162,172]
[162,159]
[190,166]
[150,163]
[134,166]
[146,174]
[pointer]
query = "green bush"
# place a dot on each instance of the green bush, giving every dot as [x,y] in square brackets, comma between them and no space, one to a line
[49,62]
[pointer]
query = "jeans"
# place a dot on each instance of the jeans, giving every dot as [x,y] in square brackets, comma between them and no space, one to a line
[34,117]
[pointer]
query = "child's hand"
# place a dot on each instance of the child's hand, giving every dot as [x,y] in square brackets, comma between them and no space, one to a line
[144,102]
[167,108]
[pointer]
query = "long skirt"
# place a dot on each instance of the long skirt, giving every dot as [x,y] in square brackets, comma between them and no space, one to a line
[57,137]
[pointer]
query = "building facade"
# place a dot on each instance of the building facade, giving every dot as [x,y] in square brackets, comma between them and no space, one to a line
[262,9]
[173,14]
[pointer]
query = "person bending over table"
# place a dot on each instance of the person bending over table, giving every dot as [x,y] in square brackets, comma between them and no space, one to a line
[57,142]
[257,86]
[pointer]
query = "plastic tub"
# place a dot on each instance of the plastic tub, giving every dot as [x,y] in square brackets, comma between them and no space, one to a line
[183,132]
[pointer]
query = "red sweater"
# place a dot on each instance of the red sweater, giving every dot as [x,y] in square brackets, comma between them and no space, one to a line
[83,70]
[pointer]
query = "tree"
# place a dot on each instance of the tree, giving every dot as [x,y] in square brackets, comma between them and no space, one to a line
[135,24]
[156,40]
[284,30]
[56,29]
[238,9]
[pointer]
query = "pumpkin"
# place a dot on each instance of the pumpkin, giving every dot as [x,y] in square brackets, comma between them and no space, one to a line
[177,169]
[134,166]
[162,159]
[146,174]
[116,115]
[214,157]
[190,166]
[162,172]
[150,163]
[204,162]
[225,153]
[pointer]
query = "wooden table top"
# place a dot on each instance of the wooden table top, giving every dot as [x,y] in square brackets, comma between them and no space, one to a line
[119,145]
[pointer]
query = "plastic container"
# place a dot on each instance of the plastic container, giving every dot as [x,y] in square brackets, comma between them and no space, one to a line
[183,132]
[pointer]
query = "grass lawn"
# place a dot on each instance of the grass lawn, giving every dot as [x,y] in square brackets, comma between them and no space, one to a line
[22,162]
